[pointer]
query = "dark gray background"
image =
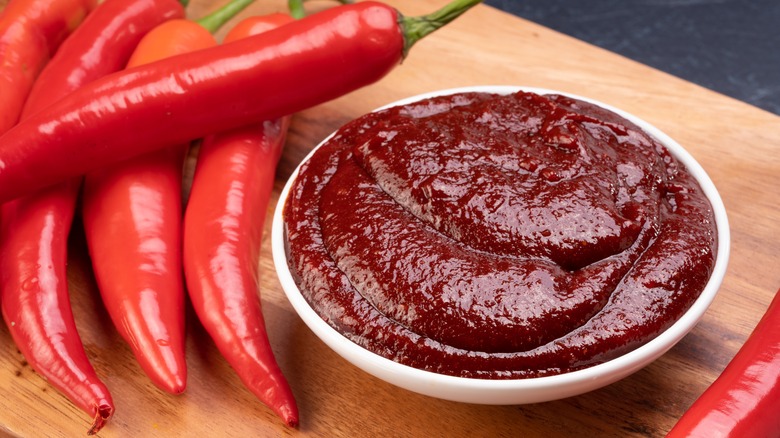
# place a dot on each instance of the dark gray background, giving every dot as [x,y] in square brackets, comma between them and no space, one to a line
[730,46]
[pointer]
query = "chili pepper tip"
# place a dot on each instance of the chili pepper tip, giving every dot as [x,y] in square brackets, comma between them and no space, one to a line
[290,415]
[102,414]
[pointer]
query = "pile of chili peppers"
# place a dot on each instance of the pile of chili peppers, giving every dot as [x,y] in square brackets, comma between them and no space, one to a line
[103,101]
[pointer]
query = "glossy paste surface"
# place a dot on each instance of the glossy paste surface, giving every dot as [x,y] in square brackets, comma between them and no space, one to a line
[491,236]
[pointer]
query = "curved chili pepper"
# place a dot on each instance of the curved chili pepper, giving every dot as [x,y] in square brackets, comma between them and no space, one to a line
[33,242]
[744,400]
[262,77]
[223,227]
[132,218]
[30,32]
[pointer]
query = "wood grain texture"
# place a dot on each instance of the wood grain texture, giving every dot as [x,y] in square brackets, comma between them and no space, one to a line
[737,144]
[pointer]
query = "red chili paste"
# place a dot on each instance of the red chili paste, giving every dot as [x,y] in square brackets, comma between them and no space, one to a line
[492,236]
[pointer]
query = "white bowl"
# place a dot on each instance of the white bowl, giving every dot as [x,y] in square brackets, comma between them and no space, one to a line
[515,391]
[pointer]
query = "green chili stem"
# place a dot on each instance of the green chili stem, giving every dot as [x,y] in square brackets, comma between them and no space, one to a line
[218,18]
[416,28]
[297,11]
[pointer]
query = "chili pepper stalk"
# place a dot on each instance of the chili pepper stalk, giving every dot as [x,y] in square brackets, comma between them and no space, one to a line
[417,28]
[178,99]
[214,21]
[297,10]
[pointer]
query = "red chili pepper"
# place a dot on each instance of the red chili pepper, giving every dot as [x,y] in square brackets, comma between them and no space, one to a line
[263,77]
[33,242]
[132,218]
[223,228]
[745,399]
[30,32]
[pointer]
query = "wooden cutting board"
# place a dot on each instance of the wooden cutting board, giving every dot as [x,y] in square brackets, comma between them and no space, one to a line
[738,145]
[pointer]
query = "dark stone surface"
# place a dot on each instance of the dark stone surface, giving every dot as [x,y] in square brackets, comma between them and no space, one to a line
[730,46]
